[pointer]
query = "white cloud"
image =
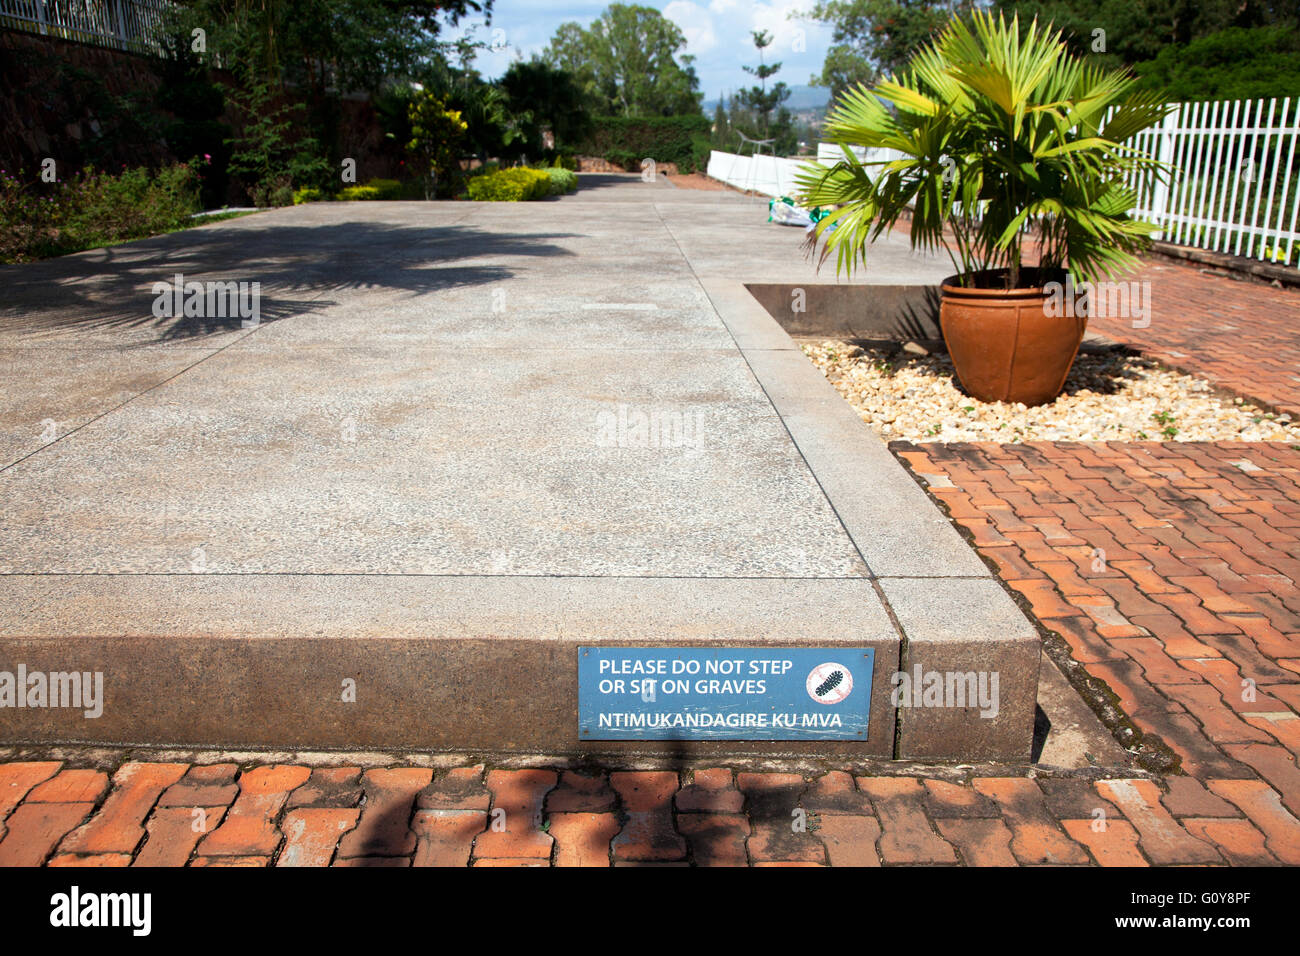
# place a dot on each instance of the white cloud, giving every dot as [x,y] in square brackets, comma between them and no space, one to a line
[696,23]
[792,34]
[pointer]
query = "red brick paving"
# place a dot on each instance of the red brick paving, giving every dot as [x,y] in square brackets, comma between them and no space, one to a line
[979,821]
[1239,334]
[1174,590]
[515,823]
[384,827]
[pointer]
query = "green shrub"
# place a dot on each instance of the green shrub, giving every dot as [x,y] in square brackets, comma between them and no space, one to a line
[307,194]
[357,193]
[374,189]
[626,140]
[510,185]
[560,158]
[388,188]
[267,154]
[93,209]
[562,180]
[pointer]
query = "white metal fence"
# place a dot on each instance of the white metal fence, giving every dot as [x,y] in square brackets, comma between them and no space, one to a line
[1232,186]
[121,24]
[1235,182]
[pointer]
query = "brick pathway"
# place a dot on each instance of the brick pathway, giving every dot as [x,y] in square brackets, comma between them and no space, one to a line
[154,814]
[1244,336]
[1170,572]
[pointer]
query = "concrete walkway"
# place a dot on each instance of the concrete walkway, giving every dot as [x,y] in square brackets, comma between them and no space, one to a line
[417,473]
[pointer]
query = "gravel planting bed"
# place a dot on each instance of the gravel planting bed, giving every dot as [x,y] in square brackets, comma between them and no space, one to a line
[1110,395]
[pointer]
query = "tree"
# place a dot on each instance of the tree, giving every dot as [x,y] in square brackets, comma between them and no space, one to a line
[759,98]
[322,44]
[436,132]
[722,135]
[629,62]
[843,69]
[493,128]
[293,60]
[550,97]
[871,38]
[761,101]
[1232,64]
[1127,32]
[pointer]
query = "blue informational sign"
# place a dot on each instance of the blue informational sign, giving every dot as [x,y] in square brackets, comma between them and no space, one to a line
[724,693]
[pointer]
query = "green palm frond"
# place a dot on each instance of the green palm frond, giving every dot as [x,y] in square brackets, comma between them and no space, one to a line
[997,133]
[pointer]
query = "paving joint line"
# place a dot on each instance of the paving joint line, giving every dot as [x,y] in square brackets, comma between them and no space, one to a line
[154,387]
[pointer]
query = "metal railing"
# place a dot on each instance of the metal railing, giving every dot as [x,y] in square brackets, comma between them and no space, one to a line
[119,24]
[1235,183]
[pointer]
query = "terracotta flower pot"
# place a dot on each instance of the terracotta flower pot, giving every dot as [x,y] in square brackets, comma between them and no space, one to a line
[1008,345]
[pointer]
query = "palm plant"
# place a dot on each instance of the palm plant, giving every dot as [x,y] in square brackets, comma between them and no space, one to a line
[1001,134]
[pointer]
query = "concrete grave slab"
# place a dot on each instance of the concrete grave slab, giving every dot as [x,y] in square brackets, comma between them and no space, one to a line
[401,479]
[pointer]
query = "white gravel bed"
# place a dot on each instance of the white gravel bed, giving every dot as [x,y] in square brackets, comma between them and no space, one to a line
[1109,396]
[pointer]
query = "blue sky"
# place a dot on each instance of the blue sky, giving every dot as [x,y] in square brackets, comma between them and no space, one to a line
[717,33]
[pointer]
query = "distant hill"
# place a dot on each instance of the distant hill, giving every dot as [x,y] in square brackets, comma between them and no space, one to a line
[801,98]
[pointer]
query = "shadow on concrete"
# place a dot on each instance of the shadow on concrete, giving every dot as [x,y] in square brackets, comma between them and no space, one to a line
[590,182]
[1042,727]
[894,313]
[295,265]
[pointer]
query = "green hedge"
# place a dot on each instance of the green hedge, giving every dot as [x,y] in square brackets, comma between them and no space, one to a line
[510,185]
[626,140]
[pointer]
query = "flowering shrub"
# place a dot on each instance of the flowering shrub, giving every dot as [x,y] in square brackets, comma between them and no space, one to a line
[92,209]
[374,189]
[436,132]
[510,185]
[308,194]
